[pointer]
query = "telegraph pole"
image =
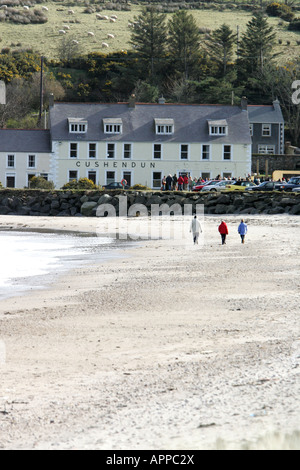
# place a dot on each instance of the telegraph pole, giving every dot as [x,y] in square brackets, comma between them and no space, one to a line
[41,91]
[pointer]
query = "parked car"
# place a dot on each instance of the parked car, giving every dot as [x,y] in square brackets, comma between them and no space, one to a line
[267,186]
[116,185]
[297,189]
[199,186]
[240,185]
[219,186]
[293,183]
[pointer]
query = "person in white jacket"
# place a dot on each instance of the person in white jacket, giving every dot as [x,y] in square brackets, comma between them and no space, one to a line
[196,229]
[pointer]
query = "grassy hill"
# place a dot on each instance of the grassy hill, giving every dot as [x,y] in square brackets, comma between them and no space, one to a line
[45,38]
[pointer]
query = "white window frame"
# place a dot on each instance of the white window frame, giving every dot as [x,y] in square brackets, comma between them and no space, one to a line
[218,130]
[209,152]
[8,158]
[70,150]
[112,129]
[69,177]
[265,149]
[160,180]
[92,171]
[161,151]
[11,175]
[110,171]
[89,150]
[181,152]
[77,126]
[130,151]
[30,167]
[266,130]
[108,151]
[251,130]
[164,126]
[223,152]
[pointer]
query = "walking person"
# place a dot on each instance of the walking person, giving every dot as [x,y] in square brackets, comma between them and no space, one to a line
[175,179]
[223,230]
[196,229]
[242,230]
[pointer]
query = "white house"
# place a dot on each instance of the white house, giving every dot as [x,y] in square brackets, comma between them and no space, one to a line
[144,142]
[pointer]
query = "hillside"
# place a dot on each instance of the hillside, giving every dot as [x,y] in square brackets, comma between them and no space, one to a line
[46,39]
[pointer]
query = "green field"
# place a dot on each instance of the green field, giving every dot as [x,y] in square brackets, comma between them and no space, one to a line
[45,38]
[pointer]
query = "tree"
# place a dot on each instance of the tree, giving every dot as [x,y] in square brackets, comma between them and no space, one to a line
[220,47]
[149,36]
[184,41]
[256,47]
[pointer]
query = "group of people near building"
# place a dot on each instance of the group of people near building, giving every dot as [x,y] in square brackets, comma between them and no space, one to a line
[196,229]
[186,183]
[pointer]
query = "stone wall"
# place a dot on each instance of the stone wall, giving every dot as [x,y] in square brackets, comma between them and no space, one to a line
[85,203]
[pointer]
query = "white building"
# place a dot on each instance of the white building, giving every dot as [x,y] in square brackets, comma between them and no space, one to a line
[144,142]
[24,154]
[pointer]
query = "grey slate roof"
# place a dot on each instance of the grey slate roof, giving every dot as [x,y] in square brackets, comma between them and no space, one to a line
[265,114]
[23,140]
[190,122]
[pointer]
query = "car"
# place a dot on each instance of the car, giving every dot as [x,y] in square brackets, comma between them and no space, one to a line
[219,186]
[240,185]
[297,190]
[199,186]
[116,185]
[267,186]
[294,182]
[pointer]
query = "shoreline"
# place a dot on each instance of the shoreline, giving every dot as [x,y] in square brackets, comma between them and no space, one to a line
[169,347]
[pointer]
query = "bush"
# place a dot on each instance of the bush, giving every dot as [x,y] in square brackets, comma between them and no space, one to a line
[38,182]
[294,25]
[140,187]
[281,10]
[82,183]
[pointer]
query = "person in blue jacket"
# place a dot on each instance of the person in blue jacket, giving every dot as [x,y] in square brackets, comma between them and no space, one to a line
[243,229]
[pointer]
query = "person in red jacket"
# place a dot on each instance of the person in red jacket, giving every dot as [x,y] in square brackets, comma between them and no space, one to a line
[223,229]
[180,183]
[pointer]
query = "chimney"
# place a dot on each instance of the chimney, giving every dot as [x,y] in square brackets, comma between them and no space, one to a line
[161,100]
[244,103]
[132,101]
[51,100]
[2,92]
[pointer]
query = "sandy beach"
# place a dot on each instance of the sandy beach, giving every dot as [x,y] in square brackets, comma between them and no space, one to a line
[168,346]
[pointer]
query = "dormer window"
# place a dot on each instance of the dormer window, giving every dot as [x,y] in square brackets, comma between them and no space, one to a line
[164,126]
[219,127]
[112,125]
[77,126]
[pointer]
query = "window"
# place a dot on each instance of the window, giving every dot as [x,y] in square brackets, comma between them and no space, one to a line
[205,175]
[73,150]
[10,181]
[184,152]
[157,151]
[77,126]
[110,177]
[251,129]
[164,126]
[219,127]
[156,179]
[10,161]
[92,175]
[227,152]
[111,151]
[205,152]
[31,161]
[266,130]
[73,175]
[266,149]
[227,176]
[92,150]
[112,125]
[44,175]
[127,151]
